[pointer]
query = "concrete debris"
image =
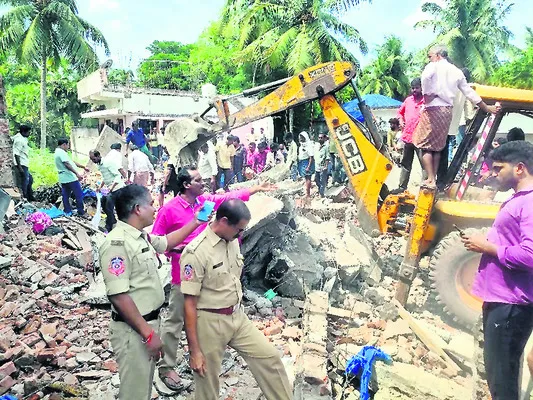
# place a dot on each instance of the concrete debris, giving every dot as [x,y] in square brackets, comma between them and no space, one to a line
[184,137]
[54,315]
[311,375]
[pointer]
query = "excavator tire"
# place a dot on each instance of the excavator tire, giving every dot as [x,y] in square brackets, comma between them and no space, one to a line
[452,273]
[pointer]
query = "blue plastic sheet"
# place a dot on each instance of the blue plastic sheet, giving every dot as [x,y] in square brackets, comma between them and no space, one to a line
[8,397]
[363,362]
[53,212]
[88,192]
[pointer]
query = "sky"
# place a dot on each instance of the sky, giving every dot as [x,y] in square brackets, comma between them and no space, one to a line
[130,26]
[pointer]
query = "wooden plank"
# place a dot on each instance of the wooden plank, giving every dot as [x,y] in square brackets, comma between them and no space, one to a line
[69,243]
[83,238]
[86,226]
[72,238]
[333,311]
[432,342]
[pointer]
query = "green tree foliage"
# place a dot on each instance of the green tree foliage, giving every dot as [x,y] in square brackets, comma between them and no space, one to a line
[168,67]
[214,62]
[120,77]
[517,73]
[473,30]
[40,30]
[292,34]
[23,99]
[387,74]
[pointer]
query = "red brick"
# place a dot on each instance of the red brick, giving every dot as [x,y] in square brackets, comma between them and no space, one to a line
[6,384]
[272,330]
[111,365]
[7,369]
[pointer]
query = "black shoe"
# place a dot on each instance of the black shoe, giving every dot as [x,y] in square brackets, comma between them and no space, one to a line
[398,190]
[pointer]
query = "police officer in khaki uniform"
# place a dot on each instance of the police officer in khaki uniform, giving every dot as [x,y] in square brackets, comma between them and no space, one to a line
[211,267]
[129,266]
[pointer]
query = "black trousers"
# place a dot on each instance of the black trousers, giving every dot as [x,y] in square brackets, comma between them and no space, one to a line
[506,329]
[108,205]
[409,151]
[228,176]
[442,171]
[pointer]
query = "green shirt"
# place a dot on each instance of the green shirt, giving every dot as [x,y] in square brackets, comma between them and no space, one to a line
[65,175]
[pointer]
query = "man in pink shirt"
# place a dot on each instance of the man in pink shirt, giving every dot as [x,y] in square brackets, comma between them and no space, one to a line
[260,157]
[409,114]
[176,213]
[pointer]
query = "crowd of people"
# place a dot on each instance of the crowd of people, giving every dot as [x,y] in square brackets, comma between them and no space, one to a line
[206,263]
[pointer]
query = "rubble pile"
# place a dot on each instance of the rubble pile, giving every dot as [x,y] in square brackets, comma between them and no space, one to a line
[49,340]
[293,250]
[53,329]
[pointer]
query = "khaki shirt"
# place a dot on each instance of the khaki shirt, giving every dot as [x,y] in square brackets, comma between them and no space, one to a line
[224,154]
[211,269]
[129,265]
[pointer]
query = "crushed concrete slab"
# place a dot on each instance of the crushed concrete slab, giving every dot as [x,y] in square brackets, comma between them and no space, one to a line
[184,137]
[264,209]
[400,379]
[291,272]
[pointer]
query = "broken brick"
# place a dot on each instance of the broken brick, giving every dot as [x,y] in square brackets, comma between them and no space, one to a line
[272,330]
[7,369]
[111,365]
[8,309]
[6,384]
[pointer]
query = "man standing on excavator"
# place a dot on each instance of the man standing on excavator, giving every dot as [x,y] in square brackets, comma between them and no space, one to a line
[441,81]
[505,276]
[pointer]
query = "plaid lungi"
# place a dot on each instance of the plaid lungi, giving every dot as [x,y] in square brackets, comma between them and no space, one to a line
[432,130]
[141,178]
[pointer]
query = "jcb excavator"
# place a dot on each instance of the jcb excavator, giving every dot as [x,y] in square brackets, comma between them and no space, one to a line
[427,218]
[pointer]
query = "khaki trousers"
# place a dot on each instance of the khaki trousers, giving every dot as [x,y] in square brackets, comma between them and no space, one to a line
[215,332]
[135,368]
[171,326]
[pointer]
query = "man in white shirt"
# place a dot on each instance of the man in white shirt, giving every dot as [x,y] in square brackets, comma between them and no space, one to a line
[21,162]
[207,166]
[306,161]
[113,176]
[140,167]
[441,81]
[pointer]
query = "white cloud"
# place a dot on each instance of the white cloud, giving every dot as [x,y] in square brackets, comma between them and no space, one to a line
[103,5]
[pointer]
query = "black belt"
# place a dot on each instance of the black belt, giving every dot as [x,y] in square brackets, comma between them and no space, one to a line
[153,315]
[177,251]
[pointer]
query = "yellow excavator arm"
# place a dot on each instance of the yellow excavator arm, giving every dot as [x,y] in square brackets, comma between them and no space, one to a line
[367,168]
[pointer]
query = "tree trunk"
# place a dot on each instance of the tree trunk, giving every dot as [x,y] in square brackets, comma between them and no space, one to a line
[6,148]
[43,103]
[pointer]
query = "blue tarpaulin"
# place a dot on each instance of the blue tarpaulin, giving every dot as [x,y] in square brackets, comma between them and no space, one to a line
[374,101]
[363,362]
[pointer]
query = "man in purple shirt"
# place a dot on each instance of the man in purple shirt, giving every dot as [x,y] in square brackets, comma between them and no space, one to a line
[505,276]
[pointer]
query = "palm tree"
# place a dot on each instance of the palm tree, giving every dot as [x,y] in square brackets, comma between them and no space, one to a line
[41,32]
[473,31]
[387,74]
[292,34]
